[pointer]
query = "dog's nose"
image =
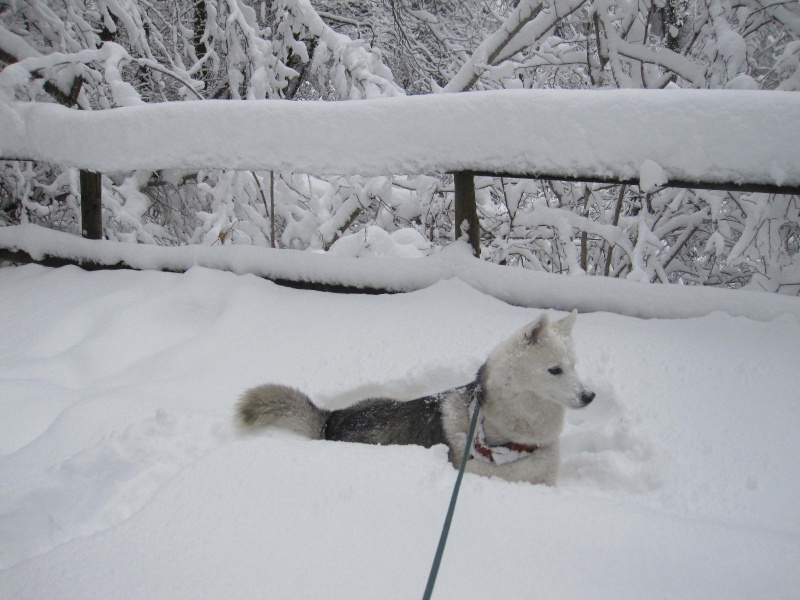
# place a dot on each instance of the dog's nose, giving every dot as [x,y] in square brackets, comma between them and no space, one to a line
[587,397]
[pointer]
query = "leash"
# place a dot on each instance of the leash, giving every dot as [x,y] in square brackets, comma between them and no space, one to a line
[437,559]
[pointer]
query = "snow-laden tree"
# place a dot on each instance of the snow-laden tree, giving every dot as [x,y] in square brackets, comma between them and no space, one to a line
[675,235]
[93,55]
[115,53]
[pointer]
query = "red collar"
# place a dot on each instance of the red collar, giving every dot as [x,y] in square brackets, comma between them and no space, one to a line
[503,453]
[498,455]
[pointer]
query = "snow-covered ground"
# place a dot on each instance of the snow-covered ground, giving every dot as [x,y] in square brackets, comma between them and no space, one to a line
[122,475]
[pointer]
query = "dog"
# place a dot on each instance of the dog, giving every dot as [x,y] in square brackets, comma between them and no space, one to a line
[522,391]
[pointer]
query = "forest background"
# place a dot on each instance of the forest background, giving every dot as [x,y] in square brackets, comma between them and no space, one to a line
[95,55]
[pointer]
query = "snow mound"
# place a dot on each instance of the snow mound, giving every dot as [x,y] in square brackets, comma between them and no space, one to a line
[509,284]
[651,176]
[375,242]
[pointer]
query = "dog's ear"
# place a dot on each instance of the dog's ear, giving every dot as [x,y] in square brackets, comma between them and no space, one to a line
[565,325]
[534,330]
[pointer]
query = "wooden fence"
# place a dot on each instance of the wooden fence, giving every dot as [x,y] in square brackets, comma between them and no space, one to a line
[586,136]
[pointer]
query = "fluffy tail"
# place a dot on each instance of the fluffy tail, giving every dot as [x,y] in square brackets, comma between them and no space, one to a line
[281,406]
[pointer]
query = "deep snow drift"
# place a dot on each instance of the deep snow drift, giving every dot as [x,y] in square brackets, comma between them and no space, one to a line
[122,475]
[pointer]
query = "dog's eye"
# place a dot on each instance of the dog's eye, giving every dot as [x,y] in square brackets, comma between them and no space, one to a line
[555,370]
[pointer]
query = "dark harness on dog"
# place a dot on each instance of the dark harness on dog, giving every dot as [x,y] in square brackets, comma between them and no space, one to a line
[480,450]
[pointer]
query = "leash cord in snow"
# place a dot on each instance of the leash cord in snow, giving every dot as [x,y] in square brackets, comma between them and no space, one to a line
[437,559]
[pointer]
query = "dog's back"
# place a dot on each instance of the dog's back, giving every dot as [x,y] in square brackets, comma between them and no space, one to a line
[383,421]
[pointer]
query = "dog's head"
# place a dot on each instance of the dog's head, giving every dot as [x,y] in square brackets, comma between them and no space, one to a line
[539,359]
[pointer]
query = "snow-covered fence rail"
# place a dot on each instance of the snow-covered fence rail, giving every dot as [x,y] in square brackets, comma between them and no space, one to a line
[702,138]
[310,270]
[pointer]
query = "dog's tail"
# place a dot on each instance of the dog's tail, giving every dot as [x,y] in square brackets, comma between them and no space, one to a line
[281,406]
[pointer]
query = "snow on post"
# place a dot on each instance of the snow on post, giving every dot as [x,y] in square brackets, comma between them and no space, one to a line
[651,176]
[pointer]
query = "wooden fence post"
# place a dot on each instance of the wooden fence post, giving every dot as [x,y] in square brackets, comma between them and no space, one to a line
[466,209]
[91,205]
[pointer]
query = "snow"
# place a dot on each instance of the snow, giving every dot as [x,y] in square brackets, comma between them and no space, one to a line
[123,476]
[725,135]
[399,273]
[377,243]
[651,176]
